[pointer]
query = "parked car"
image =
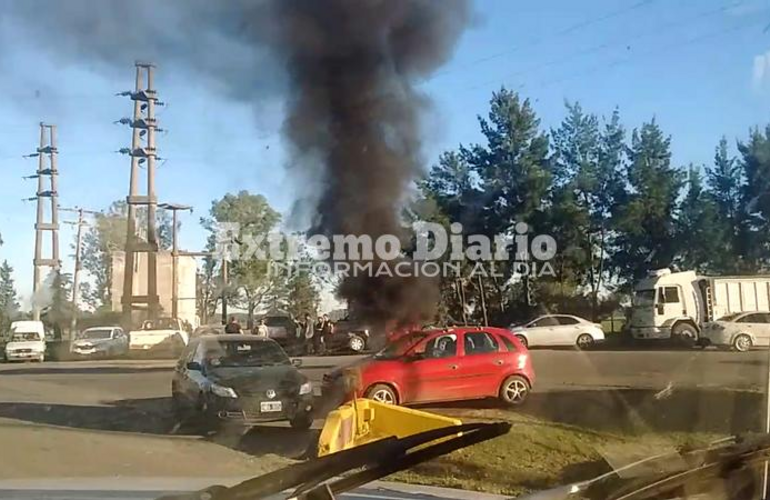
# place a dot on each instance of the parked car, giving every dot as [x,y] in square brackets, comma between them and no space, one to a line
[242,379]
[554,330]
[739,331]
[26,342]
[102,341]
[440,365]
[348,335]
[162,336]
[282,328]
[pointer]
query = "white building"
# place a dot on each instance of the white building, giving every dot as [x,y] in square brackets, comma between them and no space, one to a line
[186,272]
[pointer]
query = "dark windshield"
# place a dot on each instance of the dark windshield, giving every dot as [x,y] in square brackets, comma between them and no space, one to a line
[245,353]
[729,317]
[401,346]
[95,334]
[22,336]
[160,324]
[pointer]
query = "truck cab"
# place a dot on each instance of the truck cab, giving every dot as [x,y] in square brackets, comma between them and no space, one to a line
[26,341]
[667,304]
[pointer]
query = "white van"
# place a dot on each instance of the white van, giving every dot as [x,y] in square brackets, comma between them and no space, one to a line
[26,342]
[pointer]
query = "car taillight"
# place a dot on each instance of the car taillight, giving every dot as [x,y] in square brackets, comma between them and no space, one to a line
[521,361]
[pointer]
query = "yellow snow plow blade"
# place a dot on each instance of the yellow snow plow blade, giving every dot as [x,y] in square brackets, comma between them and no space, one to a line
[363,421]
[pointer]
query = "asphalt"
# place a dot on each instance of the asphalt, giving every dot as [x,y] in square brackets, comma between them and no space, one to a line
[99,418]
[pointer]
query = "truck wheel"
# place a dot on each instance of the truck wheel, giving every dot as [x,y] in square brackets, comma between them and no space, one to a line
[742,343]
[684,334]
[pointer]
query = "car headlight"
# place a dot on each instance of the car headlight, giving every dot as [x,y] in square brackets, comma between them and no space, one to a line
[223,392]
[306,388]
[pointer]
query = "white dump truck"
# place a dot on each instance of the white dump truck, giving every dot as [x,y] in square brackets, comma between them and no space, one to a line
[676,305]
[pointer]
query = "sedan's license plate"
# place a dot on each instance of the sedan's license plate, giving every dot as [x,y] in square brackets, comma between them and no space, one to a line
[270,406]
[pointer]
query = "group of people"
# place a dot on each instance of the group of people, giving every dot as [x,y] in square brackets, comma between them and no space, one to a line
[312,335]
[233,326]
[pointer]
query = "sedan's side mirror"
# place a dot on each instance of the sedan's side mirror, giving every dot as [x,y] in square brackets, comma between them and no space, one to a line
[194,366]
[296,362]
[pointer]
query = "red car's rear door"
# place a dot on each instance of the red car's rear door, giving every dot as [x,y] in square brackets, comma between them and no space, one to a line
[433,374]
[482,362]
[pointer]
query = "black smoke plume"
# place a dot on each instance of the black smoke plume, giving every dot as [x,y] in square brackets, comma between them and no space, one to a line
[348,70]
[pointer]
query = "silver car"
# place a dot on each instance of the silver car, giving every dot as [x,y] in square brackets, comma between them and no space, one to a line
[103,341]
[554,330]
[739,331]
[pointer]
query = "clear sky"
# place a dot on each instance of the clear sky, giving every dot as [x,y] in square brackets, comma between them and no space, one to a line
[701,67]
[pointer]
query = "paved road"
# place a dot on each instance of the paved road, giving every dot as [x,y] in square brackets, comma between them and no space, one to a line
[99,382]
[114,414]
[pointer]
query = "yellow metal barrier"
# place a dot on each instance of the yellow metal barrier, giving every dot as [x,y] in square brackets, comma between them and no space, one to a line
[363,420]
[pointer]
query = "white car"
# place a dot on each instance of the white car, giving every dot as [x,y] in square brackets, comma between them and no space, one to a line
[100,341]
[27,342]
[164,335]
[739,331]
[558,330]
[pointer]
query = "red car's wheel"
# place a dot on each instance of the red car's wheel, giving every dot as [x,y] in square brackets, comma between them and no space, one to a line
[514,390]
[382,393]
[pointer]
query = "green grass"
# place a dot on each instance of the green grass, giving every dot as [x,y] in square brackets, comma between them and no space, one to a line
[537,455]
[568,436]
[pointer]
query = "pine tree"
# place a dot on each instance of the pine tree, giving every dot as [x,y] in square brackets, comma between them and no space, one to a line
[753,218]
[9,304]
[644,222]
[57,305]
[725,186]
[513,167]
[698,221]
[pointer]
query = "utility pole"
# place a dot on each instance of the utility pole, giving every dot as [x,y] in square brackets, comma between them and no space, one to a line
[46,154]
[225,279]
[143,150]
[174,207]
[78,265]
[482,294]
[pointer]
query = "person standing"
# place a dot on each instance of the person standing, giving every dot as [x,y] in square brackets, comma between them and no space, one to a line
[327,328]
[233,326]
[318,336]
[261,330]
[307,334]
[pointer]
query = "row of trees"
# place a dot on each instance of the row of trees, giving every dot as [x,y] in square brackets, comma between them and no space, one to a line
[611,197]
[613,201]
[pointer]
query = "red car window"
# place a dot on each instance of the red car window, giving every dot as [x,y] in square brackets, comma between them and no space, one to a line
[509,345]
[480,343]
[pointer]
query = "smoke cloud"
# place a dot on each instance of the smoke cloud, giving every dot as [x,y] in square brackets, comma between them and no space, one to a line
[347,70]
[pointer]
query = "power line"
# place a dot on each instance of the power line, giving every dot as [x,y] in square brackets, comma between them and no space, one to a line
[675,45]
[566,31]
[609,44]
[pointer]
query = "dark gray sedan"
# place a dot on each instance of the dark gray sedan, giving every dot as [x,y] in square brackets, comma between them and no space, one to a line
[239,379]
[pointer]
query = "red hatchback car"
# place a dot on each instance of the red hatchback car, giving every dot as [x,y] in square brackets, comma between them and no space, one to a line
[442,365]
